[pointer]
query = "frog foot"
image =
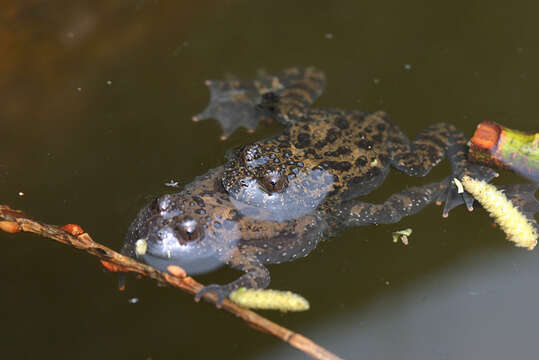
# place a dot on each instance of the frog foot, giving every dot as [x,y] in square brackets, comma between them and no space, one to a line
[222,291]
[455,195]
[233,104]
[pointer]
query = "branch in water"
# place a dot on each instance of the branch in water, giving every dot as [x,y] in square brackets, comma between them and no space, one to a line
[13,221]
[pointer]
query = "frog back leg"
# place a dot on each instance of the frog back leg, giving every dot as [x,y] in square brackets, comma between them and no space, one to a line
[399,205]
[430,146]
[282,97]
[256,275]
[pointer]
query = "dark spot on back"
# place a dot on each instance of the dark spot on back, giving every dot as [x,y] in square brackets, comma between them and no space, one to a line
[304,140]
[341,123]
[342,150]
[337,165]
[331,136]
[364,144]
[199,201]
[320,144]
[361,161]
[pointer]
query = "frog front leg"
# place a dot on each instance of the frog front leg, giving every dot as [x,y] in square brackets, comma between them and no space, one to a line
[256,274]
[418,157]
[281,97]
[404,203]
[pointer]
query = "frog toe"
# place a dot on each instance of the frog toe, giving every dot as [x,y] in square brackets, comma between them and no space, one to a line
[468,200]
[451,199]
[222,292]
[455,196]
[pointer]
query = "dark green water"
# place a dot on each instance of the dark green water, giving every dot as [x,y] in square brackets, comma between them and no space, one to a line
[95,118]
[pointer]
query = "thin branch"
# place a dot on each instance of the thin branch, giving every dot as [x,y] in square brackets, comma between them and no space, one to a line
[14,221]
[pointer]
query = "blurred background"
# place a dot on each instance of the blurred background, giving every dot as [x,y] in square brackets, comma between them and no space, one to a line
[96,102]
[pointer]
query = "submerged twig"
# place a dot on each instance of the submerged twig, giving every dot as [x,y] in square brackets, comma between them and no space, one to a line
[14,221]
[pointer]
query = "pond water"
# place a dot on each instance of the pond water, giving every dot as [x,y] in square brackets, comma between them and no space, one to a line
[95,119]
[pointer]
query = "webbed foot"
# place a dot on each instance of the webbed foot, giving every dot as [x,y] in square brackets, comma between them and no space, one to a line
[236,103]
[256,276]
[222,291]
[454,195]
[232,103]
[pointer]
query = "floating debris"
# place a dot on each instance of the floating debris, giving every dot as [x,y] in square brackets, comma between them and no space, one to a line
[267,299]
[172,183]
[133,300]
[516,225]
[402,235]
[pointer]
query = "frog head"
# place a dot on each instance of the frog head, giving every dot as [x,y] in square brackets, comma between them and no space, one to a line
[271,178]
[185,230]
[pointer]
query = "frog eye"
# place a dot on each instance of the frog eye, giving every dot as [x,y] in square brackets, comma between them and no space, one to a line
[274,182]
[189,229]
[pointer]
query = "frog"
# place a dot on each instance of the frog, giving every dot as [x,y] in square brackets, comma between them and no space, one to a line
[276,199]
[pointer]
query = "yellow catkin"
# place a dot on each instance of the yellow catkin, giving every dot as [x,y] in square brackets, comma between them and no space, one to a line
[515,225]
[268,299]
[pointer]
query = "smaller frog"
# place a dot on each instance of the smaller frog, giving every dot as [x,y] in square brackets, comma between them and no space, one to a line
[276,199]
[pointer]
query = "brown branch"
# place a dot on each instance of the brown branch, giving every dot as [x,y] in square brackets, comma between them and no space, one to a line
[14,221]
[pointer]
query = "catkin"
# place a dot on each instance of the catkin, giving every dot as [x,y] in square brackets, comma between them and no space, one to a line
[515,225]
[267,299]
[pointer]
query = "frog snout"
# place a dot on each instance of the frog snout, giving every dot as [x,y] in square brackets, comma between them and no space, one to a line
[188,229]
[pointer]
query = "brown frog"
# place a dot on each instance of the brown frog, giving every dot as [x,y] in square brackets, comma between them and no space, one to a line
[274,200]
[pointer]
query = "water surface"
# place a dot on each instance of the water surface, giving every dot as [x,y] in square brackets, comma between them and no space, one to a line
[95,119]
